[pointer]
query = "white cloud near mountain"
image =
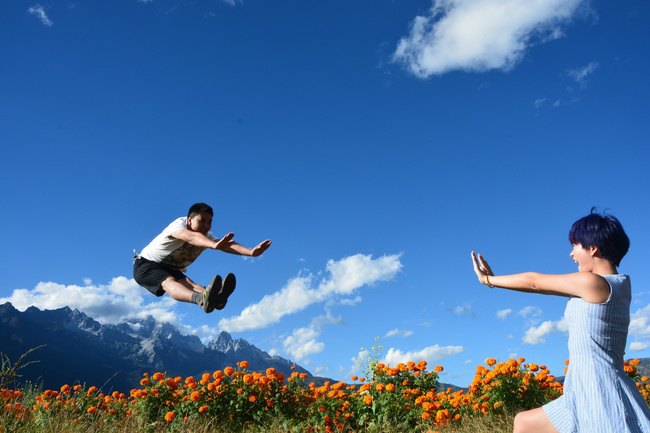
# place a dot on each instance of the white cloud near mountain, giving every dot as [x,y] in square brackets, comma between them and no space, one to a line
[120,299]
[346,276]
[480,35]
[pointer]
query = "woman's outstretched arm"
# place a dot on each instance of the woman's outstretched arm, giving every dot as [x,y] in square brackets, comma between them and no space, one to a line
[586,285]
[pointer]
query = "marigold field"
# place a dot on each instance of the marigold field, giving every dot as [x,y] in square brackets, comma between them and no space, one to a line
[400,398]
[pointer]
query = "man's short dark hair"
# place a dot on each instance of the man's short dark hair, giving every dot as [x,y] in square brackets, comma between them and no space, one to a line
[198,208]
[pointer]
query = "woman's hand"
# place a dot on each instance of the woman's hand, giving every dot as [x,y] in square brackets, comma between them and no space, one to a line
[482,269]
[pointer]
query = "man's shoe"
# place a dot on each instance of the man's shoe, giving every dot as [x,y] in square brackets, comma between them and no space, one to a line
[209,295]
[227,288]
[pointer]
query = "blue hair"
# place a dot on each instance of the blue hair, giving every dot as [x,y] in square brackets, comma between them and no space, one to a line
[604,232]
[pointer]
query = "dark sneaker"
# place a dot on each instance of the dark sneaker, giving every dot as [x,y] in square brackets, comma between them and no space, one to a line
[209,295]
[227,288]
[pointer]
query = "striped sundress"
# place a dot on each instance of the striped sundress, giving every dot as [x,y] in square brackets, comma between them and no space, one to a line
[599,397]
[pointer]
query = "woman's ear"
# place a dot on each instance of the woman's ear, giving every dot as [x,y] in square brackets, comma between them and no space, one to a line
[594,251]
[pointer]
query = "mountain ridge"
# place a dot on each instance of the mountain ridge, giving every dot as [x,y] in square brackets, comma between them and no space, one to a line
[78,349]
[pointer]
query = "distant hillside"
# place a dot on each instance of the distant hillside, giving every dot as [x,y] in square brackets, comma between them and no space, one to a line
[80,349]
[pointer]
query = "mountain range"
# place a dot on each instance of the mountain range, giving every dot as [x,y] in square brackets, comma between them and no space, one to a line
[72,348]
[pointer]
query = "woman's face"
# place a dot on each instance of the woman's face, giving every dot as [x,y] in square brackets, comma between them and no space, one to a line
[583,257]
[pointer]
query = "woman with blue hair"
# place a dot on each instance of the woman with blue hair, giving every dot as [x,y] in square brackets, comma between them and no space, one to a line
[598,396]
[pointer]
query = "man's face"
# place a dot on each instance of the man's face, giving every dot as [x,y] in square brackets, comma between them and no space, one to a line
[200,223]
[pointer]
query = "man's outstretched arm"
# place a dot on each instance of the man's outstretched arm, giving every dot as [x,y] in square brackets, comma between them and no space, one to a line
[233,247]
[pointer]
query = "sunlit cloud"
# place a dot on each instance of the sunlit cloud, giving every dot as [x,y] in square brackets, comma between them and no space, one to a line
[480,35]
[39,12]
[636,346]
[345,277]
[114,302]
[303,342]
[537,334]
[429,354]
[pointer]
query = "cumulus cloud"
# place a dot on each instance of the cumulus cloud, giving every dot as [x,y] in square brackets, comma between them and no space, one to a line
[640,323]
[537,334]
[638,345]
[480,35]
[107,303]
[581,75]
[39,12]
[346,276]
[303,343]
[429,354]
[503,314]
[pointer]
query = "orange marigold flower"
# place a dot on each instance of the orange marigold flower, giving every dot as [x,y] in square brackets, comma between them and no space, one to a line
[169,416]
[270,371]
[229,371]
[367,400]
[158,376]
[438,368]
[203,409]
[144,381]
[390,387]
[425,415]
[252,398]
[490,361]
[195,396]
[243,365]
[92,409]
[355,378]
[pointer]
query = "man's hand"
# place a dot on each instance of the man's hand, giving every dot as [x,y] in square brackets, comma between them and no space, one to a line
[224,241]
[259,249]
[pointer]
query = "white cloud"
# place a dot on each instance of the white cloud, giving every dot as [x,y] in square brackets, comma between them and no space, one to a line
[480,35]
[39,12]
[537,335]
[532,314]
[640,323]
[345,277]
[107,303]
[398,333]
[429,354]
[539,102]
[463,310]
[638,345]
[580,75]
[503,314]
[303,343]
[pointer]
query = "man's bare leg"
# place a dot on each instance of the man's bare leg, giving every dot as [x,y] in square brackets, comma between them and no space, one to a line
[533,421]
[181,290]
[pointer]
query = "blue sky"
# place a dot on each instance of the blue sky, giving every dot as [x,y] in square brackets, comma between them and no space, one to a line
[375,142]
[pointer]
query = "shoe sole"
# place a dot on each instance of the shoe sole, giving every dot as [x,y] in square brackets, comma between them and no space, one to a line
[213,292]
[227,288]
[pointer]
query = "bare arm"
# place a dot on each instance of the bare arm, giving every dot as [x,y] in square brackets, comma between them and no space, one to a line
[586,285]
[200,240]
[233,247]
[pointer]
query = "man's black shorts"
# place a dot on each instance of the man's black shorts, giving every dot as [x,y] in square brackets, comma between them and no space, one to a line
[150,275]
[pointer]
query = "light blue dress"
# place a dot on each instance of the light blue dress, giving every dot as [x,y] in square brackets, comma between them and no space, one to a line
[599,397]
